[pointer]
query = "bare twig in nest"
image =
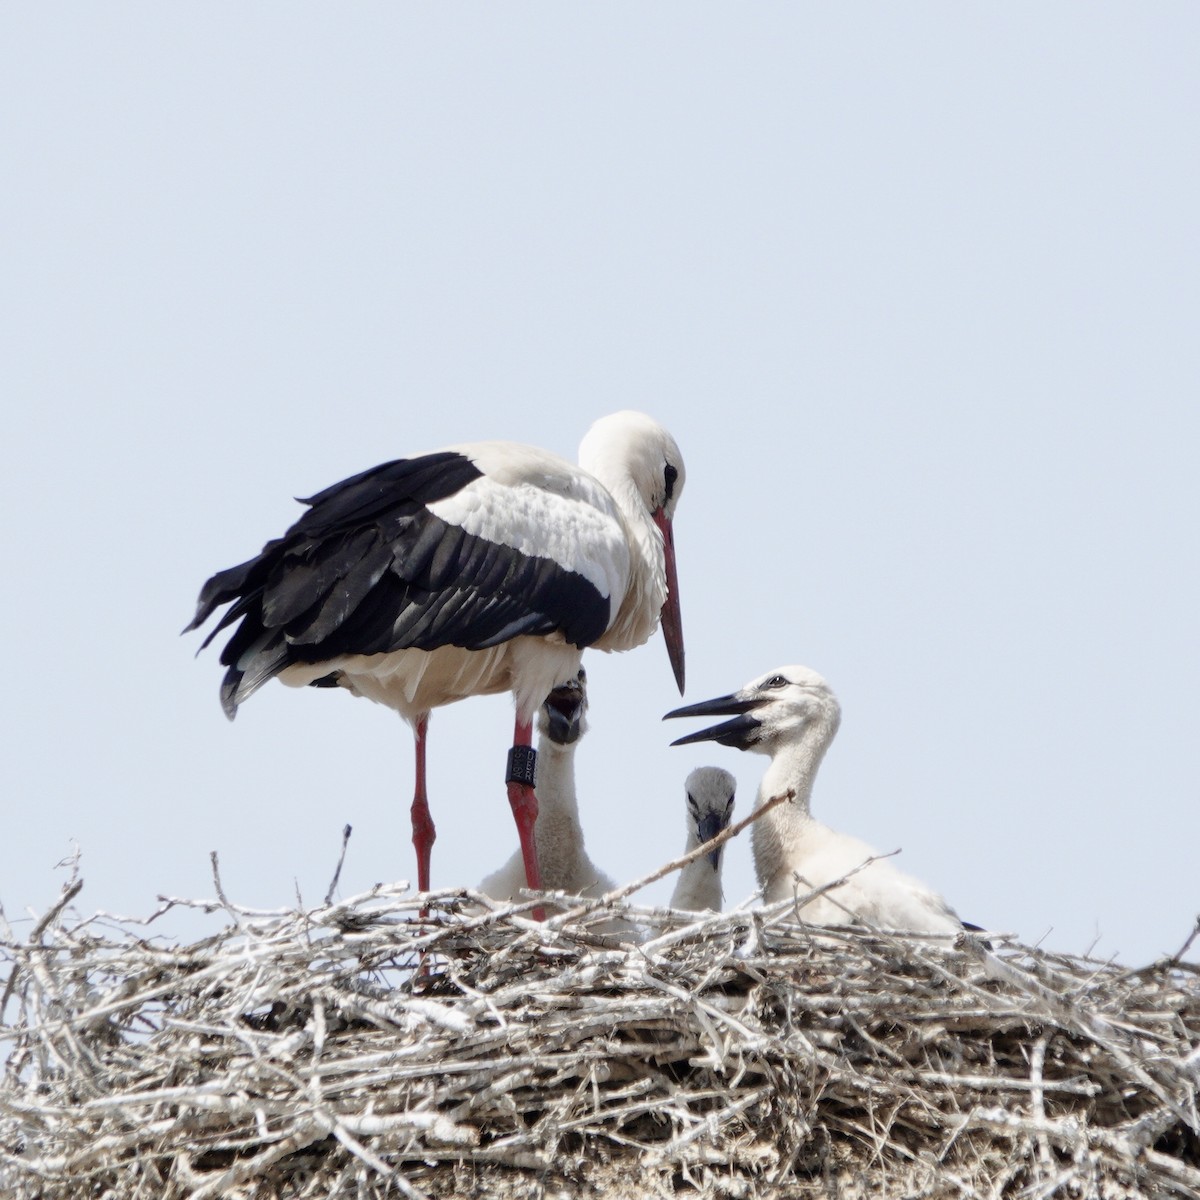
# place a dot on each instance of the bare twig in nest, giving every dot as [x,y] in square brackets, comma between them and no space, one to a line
[1177,957]
[609,899]
[730,831]
[337,874]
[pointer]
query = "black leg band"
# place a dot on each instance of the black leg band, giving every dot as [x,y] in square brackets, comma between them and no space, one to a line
[522,766]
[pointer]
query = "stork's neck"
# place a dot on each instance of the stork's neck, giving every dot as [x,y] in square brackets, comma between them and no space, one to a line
[793,767]
[558,809]
[699,885]
[637,616]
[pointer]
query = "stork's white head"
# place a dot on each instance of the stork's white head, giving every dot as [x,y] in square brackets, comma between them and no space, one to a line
[634,447]
[638,461]
[776,708]
[710,792]
[563,716]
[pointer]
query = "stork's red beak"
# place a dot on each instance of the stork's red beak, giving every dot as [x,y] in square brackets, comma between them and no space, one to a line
[672,625]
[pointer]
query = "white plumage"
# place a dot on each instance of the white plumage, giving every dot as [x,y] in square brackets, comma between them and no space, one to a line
[709,793]
[792,715]
[485,567]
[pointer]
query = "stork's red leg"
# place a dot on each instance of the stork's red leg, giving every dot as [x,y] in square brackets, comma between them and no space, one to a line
[521,776]
[422,823]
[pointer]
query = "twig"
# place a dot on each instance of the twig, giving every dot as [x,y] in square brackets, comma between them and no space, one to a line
[70,890]
[1177,957]
[1037,1099]
[229,908]
[621,893]
[337,874]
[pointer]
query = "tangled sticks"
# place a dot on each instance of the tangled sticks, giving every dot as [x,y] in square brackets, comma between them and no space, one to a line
[361,1050]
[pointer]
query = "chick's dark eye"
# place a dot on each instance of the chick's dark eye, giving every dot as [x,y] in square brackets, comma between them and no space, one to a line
[776,681]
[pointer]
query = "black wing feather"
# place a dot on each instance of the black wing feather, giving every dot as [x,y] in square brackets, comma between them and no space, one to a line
[302,582]
[368,569]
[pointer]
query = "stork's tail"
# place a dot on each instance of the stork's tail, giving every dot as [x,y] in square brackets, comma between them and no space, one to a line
[253,654]
[262,660]
[230,584]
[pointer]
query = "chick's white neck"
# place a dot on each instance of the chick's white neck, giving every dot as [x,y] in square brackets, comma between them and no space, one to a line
[778,836]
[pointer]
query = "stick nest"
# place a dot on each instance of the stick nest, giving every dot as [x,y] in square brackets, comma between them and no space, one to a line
[369,1049]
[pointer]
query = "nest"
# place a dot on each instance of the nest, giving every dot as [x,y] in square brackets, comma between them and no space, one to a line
[445,1046]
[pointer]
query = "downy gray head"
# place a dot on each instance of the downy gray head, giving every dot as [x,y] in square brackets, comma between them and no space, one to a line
[563,715]
[710,792]
[776,708]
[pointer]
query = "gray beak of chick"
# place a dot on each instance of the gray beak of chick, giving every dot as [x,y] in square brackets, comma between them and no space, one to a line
[707,828]
[741,732]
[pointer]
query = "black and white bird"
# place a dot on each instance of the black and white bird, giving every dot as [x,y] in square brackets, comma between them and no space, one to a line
[564,861]
[792,714]
[480,568]
[709,806]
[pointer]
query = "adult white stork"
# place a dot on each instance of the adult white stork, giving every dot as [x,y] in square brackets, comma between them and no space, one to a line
[709,792]
[792,714]
[564,862]
[484,567]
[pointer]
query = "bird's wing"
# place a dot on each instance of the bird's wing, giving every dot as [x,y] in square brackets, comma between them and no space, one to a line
[421,553]
[879,892]
[896,900]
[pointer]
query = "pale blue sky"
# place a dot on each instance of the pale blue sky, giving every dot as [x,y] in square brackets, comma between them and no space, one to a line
[916,289]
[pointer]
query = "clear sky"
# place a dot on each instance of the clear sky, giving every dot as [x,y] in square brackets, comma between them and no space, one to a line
[916,288]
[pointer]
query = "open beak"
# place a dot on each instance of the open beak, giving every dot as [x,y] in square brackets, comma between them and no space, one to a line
[564,710]
[707,828]
[672,624]
[741,732]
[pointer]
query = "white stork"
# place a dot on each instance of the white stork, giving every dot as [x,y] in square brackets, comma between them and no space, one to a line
[565,865]
[710,792]
[481,568]
[792,714]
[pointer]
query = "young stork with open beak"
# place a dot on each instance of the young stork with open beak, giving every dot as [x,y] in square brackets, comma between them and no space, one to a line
[561,723]
[482,568]
[709,792]
[792,715]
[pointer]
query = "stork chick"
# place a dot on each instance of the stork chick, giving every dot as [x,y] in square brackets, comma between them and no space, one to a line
[561,722]
[792,715]
[710,792]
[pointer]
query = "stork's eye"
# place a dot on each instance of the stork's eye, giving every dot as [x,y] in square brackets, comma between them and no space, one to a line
[729,808]
[670,475]
[776,681]
[693,807]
